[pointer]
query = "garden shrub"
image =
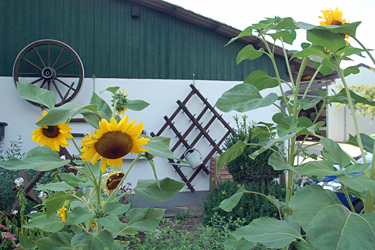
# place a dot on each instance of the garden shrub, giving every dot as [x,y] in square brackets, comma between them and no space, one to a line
[7,177]
[250,207]
[243,168]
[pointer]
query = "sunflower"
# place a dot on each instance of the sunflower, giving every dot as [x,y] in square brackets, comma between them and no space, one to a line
[113,141]
[52,136]
[333,17]
[112,181]
[121,101]
[62,213]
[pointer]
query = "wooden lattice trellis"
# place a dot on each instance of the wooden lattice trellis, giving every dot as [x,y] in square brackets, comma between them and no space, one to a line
[203,132]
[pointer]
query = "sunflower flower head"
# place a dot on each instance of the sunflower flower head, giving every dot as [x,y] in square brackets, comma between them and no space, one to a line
[121,101]
[52,136]
[333,17]
[62,213]
[112,181]
[112,141]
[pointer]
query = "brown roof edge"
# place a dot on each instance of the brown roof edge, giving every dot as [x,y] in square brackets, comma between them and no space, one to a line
[215,26]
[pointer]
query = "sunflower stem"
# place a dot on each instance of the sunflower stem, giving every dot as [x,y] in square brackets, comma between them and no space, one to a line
[83,172]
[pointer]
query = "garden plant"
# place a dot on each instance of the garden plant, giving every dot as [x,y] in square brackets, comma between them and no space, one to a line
[83,210]
[311,217]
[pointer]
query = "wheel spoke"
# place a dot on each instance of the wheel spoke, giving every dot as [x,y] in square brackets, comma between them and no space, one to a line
[37,80]
[68,75]
[58,90]
[40,58]
[65,84]
[58,58]
[67,93]
[66,64]
[44,82]
[49,54]
[28,74]
[32,64]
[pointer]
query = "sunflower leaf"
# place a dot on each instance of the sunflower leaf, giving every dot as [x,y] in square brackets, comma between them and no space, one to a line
[149,189]
[38,159]
[136,105]
[32,93]
[61,114]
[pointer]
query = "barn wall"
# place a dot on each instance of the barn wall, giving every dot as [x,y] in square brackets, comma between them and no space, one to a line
[112,44]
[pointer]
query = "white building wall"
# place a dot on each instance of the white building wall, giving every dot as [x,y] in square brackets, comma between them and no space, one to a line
[340,123]
[162,96]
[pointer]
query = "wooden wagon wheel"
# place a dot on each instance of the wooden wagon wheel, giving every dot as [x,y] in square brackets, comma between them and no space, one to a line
[52,65]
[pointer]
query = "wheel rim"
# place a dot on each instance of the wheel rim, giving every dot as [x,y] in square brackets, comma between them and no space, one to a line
[52,65]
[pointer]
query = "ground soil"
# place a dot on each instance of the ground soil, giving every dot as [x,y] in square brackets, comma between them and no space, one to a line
[190,224]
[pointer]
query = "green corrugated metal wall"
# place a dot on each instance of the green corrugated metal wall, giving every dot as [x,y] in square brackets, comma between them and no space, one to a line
[113,44]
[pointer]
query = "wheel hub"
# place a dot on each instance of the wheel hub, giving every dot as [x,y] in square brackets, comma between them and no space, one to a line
[48,73]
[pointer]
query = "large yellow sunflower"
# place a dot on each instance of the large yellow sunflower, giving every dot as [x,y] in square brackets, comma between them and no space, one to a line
[52,136]
[333,17]
[113,141]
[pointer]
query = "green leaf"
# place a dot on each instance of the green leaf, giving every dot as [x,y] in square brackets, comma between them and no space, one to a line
[228,204]
[79,215]
[71,179]
[279,162]
[92,119]
[110,222]
[35,94]
[357,167]
[59,115]
[232,153]
[25,241]
[241,244]
[351,70]
[341,97]
[102,241]
[113,90]
[303,245]
[306,103]
[38,159]
[347,28]
[149,189]
[286,124]
[314,52]
[316,209]
[103,108]
[117,208]
[244,97]
[57,241]
[249,53]
[56,201]
[159,146]
[246,32]
[54,186]
[261,80]
[318,168]
[331,41]
[333,152]
[367,141]
[144,219]
[136,105]
[49,224]
[270,232]
[360,183]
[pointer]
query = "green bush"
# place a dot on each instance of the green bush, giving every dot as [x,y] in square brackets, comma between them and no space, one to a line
[7,177]
[250,207]
[243,168]
[168,236]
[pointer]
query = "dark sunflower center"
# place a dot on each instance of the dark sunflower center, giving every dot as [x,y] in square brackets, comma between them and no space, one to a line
[51,131]
[113,145]
[114,180]
[336,22]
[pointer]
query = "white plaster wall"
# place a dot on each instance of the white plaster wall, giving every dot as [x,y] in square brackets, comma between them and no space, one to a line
[340,123]
[162,96]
